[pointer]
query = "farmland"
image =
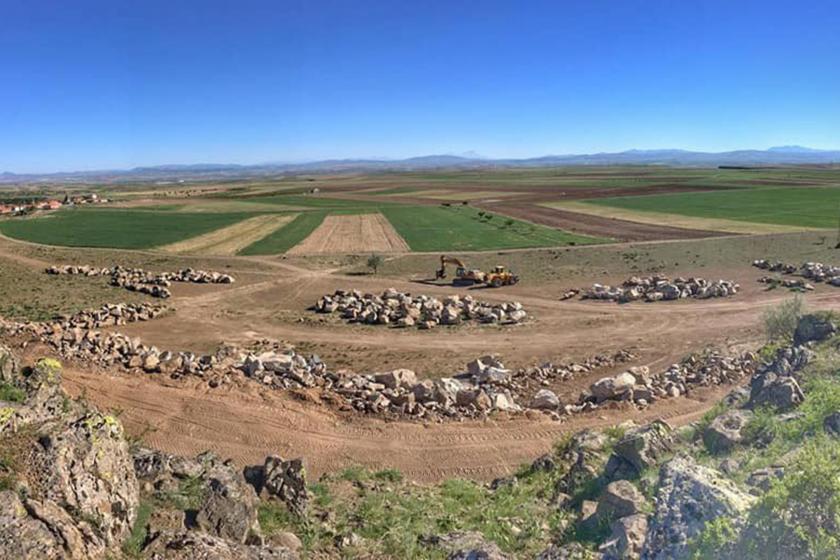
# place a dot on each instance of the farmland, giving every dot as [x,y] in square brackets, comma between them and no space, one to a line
[121,229]
[811,207]
[467,229]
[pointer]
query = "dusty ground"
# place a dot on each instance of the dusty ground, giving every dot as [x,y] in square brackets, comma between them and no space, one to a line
[232,239]
[271,297]
[350,234]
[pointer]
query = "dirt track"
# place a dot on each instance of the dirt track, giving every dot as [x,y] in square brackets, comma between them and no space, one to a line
[352,234]
[575,222]
[245,423]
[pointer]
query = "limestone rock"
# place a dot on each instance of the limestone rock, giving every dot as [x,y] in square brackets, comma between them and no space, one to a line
[688,496]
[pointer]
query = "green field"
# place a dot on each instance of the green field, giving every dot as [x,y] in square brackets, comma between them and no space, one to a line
[121,229]
[434,228]
[817,207]
[287,236]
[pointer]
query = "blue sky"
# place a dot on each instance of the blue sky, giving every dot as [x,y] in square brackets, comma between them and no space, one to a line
[114,84]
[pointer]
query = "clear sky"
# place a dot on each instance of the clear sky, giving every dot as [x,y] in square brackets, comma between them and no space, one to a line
[117,83]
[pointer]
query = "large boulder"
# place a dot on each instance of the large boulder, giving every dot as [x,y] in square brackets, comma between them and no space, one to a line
[627,538]
[619,499]
[726,431]
[688,496]
[286,480]
[84,464]
[608,388]
[769,389]
[228,507]
[814,327]
[397,378]
[545,399]
[645,446]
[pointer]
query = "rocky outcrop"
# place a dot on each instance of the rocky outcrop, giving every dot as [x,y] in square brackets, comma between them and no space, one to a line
[688,496]
[77,475]
[284,480]
[642,447]
[774,383]
[404,310]
[814,328]
[661,288]
[726,431]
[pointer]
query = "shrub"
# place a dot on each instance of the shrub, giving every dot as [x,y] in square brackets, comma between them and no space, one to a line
[780,322]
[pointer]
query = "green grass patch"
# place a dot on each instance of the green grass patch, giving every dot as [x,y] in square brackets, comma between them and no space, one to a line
[283,239]
[10,393]
[815,207]
[133,545]
[434,228]
[122,229]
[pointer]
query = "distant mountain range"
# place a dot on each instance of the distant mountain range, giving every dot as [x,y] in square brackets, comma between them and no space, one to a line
[776,156]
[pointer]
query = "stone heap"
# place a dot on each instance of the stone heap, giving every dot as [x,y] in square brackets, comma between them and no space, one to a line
[790,283]
[775,266]
[641,388]
[661,288]
[814,271]
[404,310]
[143,281]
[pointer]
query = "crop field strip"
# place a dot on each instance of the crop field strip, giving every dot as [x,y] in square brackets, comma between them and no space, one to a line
[231,239]
[120,229]
[803,207]
[351,234]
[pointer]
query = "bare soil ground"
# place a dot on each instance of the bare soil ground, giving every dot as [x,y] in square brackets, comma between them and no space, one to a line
[589,224]
[271,297]
[232,239]
[351,234]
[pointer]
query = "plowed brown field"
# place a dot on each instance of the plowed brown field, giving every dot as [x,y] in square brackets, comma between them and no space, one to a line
[352,234]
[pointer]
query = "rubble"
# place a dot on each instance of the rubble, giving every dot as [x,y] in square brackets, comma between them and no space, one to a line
[640,388]
[661,288]
[140,280]
[404,310]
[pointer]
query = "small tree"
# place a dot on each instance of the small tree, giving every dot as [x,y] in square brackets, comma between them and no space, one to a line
[374,262]
[509,222]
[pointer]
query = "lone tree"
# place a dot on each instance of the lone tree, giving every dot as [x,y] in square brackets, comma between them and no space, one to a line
[374,262]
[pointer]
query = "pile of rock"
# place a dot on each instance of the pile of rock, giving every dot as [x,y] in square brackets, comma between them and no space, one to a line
[641,388]
[775,266]
[76,337]
[814,271]
[661,288]
[483,388]
[143,281]
[797,284]
[404,310]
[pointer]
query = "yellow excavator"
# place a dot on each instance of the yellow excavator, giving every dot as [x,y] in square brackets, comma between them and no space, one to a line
[496,278]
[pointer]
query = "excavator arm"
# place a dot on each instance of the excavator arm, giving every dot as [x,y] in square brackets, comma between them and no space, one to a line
[445,260]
